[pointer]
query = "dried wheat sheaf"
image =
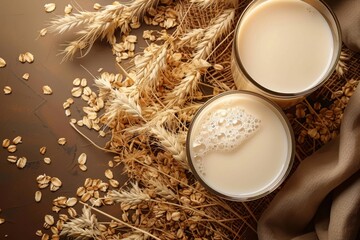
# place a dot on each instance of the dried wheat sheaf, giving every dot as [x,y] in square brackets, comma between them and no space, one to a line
[148,108]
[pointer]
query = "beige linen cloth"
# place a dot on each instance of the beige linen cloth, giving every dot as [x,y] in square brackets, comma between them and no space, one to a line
[321,200]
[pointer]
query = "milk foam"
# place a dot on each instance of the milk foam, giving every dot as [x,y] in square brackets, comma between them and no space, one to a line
[223,131]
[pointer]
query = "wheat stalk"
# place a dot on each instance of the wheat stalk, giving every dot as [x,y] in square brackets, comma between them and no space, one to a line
[170,143]
[188,85]
[138,7]
[341,67]
[162,190]
[122,102]
[69,22]
[121,222]
[132,197]
[85,226]
[221,25]
[149,65]
[99,24]
[208,3]
[191,38]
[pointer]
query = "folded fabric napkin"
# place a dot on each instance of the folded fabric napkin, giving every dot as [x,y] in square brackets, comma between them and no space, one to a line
[321,200]
[348,14]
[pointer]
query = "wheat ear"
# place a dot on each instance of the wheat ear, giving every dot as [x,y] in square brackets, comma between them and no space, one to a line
[121,222]
[99,24]
[132,197]
[170,143]
[221,25]
[341,67]
[191,38]
[148,66]
[188,85]
[68,22]
[125,103]
[83,227]
[162,190]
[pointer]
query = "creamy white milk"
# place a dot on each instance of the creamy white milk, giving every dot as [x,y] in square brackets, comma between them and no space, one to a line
[285,45]
[235,165]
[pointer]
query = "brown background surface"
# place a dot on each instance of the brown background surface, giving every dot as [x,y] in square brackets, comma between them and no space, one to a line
[39,118]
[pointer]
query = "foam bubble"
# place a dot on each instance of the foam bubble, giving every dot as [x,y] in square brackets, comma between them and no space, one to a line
[223,131]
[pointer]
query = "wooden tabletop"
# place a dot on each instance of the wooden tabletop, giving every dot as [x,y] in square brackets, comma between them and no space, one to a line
[39,119]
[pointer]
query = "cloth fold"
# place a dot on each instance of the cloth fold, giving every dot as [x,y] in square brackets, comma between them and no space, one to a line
[348,14]
[324,192]
[321,200]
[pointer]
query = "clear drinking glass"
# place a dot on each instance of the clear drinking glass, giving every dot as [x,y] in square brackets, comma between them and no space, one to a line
[255,156]
[244,81]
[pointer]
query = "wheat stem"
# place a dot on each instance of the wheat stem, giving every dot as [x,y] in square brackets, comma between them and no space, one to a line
[220,26]
[120,221]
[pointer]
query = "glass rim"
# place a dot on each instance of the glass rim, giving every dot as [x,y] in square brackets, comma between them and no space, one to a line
[277,94]
[289,160]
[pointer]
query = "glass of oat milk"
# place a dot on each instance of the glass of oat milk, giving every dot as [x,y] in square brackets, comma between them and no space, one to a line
[285,49]
[240,145]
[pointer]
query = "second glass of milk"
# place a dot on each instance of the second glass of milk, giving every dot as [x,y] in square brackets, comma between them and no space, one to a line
[285,49]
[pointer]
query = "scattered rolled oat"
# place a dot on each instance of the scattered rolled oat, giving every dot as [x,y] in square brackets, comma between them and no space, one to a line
[76,82]
[26,76]
[39,233]
[21,162]
[17,140]
[38,196]
[22,58]
[6,143]
[80,191]
[42,150]
[85,197]
[12,159]
[70,100]
[71,202]
[68,9]
[76,92]
[82,158]
[49,219]
[47,160]
[2,220]
[114,183]
[2,63]
[109,174]
[72,212]
[87,91]
[83,167]
[7,90]
[49,7]
[97,6]
[45,236]
[62,141]
[11,148]
[43,32]
[43,181]
[218,67]
[66,105]
[47,90]
[83,82]
[29,57]
[56,182]
[67,112]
